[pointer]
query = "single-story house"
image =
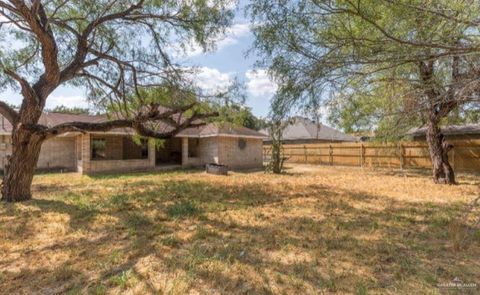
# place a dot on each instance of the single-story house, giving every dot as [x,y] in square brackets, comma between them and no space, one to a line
[452,132]
[302,130]
[115,150]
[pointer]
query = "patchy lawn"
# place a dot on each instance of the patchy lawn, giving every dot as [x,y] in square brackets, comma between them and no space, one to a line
[316,229]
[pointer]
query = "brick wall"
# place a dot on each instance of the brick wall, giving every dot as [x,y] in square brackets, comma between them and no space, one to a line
[208,150]
[114,146]
[226,151]
[5,149]
[57,153]
[232,155]
[114,161]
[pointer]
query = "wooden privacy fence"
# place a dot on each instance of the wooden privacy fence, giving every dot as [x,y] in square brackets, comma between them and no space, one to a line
[465,155]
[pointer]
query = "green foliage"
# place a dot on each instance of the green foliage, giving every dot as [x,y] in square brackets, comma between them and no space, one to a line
[129,46]
[238,115]
[364,57]
[277,157]
[69,110]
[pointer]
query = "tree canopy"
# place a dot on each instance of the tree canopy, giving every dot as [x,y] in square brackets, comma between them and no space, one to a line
[316,49]
[114,49]
[418,60]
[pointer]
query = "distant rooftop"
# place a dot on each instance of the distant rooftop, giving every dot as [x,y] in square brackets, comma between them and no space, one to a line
[449,130]
[52,119]
[306,129]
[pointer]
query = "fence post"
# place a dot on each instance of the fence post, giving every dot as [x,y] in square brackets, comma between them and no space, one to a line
[402,157]
[305,153]
[330,153]
[362,151]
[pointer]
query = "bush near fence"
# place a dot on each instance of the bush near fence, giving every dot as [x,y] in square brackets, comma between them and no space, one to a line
[464,157]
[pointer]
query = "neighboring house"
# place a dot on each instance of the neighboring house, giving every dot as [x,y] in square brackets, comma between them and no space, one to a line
[236,147]
[303,130]
[453,132]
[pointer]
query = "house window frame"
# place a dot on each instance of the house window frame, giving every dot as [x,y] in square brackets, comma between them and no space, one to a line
[193,145]
[94,150]
[242,143]
[144,148]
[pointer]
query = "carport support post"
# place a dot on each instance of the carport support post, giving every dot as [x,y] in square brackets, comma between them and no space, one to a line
[151,152]
[184,151]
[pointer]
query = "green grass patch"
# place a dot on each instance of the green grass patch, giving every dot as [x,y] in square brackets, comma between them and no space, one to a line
[183,209]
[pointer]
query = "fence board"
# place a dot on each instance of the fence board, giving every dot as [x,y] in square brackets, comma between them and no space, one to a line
[464,157]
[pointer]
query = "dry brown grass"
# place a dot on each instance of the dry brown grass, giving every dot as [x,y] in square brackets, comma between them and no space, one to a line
[313,230]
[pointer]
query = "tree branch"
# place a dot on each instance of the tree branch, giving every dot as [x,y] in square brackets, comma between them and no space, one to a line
[8,112]
[137,123]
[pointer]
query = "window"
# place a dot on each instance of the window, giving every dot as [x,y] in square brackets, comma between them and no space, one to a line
[242,143]
[99,149]
[144,148]
[193,147]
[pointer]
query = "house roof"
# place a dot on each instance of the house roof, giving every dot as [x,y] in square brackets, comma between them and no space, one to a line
[209,130]
[217,129]
[449,130]
[53,119]
[305,129]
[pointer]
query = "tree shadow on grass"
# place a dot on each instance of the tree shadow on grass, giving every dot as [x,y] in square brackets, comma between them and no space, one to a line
[340,246]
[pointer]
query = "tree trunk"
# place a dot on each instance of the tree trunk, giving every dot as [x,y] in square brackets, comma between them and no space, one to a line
[20,168]
[439,148]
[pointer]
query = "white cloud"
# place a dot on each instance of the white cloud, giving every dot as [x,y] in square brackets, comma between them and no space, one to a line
[259,83]
[231,37]
[67,100]
[210,80]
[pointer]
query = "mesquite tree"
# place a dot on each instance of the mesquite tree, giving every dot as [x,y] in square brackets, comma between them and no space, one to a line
[114,48]
[425,52]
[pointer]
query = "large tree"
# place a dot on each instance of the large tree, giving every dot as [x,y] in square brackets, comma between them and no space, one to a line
[113,48]
[425,53]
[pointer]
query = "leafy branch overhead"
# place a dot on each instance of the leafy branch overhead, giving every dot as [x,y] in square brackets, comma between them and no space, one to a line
[399,63]
[115,49]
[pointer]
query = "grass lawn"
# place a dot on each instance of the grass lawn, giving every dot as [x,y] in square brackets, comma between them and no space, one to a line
[313,230]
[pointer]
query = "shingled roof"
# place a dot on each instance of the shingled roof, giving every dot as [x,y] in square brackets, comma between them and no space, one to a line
[449,130]
[53,119]
[208,130]
[305,129]
[218,129]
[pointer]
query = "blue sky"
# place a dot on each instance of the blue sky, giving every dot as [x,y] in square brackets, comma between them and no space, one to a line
[215,69]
